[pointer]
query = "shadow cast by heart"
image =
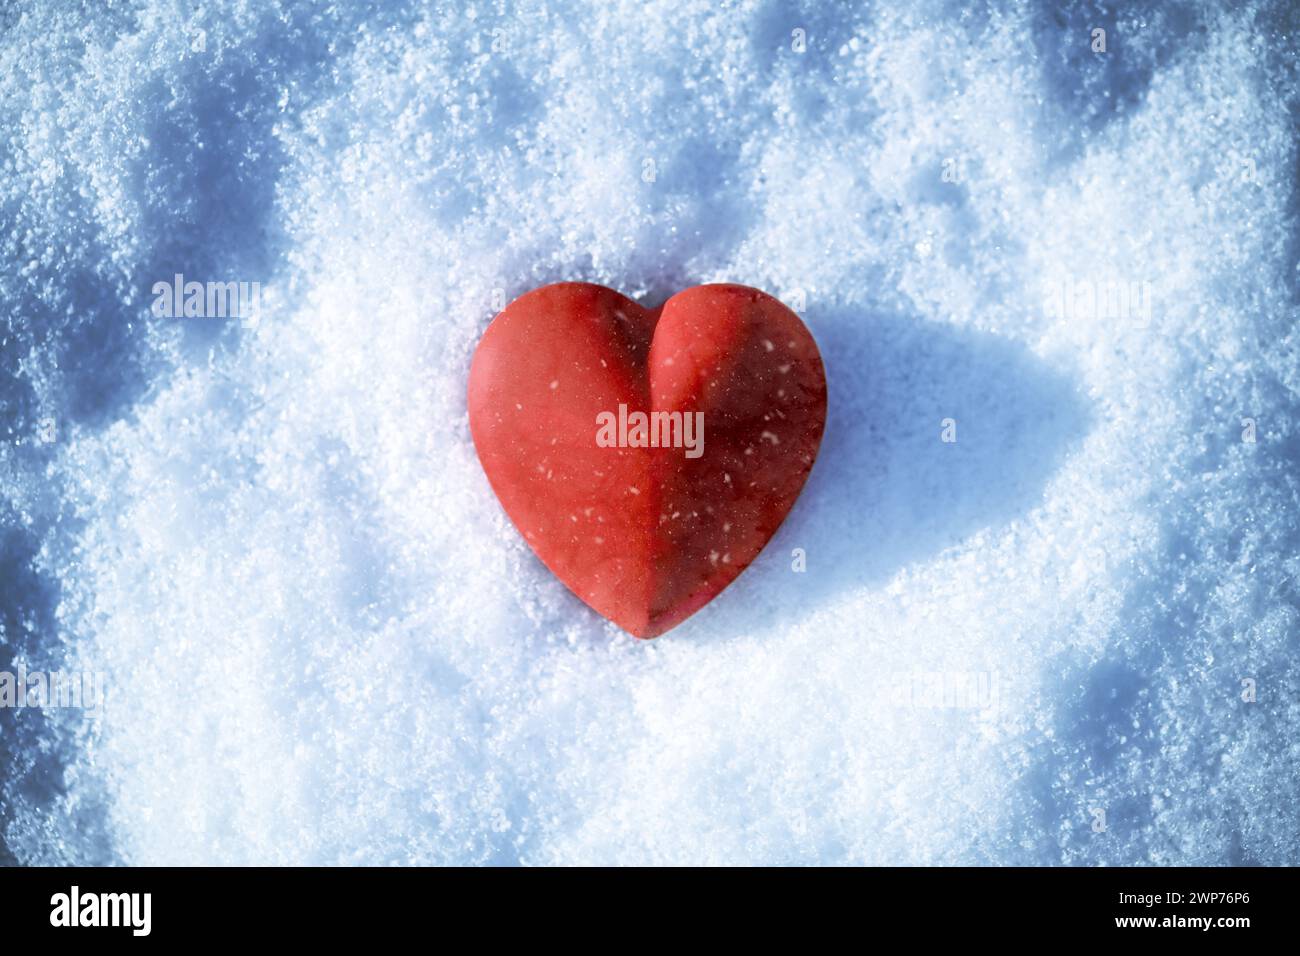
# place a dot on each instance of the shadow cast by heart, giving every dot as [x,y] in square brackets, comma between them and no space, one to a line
[888,490]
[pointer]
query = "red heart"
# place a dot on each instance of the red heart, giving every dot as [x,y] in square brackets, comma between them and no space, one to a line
[647,535]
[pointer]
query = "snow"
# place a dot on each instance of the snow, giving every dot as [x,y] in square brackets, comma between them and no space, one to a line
[324,643]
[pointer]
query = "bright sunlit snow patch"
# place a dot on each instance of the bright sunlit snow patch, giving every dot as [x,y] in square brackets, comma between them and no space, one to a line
[324,642]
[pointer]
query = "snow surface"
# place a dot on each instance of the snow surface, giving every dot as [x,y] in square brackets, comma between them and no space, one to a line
[324,642]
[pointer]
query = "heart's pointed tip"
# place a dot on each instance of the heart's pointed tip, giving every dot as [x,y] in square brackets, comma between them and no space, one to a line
[656,624]
[642,628]
[646,627]
[650,631]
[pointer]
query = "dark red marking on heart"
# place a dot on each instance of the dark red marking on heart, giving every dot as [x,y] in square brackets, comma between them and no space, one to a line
[646,536]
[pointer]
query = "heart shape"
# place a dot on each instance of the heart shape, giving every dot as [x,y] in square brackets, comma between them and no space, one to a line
[647,520]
